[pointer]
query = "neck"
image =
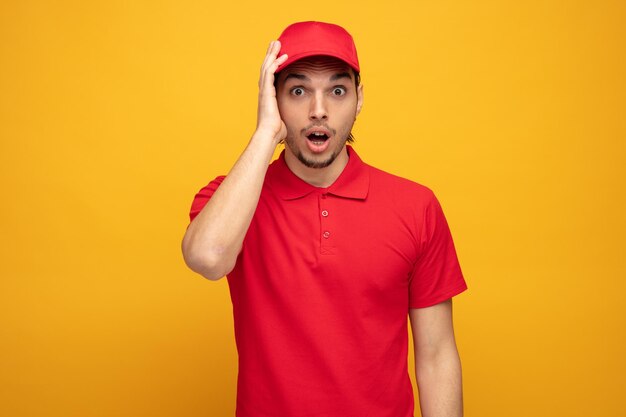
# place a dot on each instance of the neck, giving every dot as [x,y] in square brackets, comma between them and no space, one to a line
[318,177]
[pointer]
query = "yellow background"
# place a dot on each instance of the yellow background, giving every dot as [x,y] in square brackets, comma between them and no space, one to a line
[114,113]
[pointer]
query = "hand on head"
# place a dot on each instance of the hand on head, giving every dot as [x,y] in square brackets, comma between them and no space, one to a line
[268,116]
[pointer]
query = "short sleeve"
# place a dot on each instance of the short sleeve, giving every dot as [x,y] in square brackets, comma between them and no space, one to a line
[437,274]
[203,196]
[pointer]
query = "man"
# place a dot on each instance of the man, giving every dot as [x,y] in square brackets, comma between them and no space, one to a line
[325,255]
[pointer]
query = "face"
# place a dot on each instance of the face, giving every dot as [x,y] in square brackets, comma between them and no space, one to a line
[318,101]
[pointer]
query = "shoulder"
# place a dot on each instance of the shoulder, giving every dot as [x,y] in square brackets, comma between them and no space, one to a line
[208,190]
[399,189]
[203,196]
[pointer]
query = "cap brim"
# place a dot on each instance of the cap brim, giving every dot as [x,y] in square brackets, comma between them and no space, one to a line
[297,57]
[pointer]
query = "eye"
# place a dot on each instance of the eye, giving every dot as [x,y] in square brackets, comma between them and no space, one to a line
[339,91]
[297,91]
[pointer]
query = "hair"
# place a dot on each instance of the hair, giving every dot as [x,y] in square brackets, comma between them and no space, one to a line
[357,82]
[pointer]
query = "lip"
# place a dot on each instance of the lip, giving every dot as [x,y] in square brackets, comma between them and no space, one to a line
[318,129]
[317,148]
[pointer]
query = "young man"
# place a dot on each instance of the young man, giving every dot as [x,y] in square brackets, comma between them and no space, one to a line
[325,255]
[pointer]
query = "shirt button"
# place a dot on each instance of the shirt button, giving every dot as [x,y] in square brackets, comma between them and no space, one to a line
[324,213]
[326,235]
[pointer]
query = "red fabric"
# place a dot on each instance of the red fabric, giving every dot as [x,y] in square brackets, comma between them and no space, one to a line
[322,288]
[304,39]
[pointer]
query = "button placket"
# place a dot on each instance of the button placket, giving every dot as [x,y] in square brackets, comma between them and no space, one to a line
[326,229]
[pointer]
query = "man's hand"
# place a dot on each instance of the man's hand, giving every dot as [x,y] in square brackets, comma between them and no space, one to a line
[268,118]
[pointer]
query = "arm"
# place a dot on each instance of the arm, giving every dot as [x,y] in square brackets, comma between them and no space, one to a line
[214,238]
[437,363]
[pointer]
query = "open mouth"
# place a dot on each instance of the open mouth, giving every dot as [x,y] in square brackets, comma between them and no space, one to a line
[318,138]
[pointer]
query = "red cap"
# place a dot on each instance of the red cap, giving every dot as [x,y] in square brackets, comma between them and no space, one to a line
[305,39]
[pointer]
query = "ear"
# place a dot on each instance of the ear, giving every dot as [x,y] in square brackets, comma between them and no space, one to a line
[359,99]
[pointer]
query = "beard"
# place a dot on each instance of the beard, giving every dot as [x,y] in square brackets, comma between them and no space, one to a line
[290,141]
[317,164]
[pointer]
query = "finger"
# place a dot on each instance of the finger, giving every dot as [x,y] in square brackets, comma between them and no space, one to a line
[281,59]
[268,54]
[266,61]
[271,63]
[272,53]
[275,48]
[277,63]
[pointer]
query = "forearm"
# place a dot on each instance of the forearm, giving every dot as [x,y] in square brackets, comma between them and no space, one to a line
[440,384]
[213,240]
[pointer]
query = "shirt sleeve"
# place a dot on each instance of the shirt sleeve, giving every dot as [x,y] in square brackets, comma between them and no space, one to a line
[203,196]
[437,274]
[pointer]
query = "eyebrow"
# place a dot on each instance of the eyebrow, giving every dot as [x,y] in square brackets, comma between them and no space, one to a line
[296,76]
[303,77]
[340,76]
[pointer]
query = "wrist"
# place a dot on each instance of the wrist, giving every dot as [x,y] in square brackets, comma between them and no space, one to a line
[267,135]
[264,141]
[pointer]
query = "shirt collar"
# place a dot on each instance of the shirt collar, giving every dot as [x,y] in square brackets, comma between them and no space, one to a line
[353,182]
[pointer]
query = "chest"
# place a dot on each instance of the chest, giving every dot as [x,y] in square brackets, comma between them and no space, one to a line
[355,247]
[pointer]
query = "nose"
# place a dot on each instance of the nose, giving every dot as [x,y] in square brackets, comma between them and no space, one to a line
[318,110]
